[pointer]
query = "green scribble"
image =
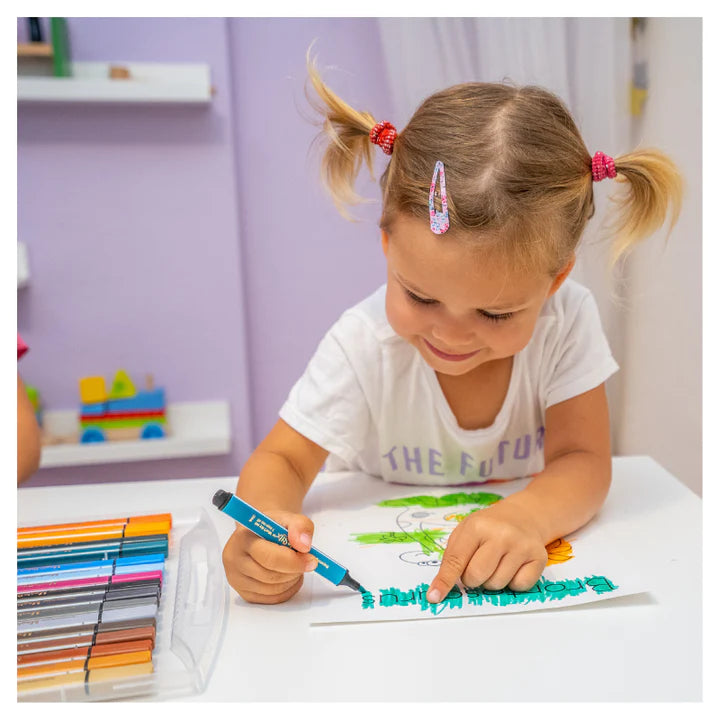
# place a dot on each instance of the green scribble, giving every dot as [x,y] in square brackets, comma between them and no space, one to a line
[483,499]
[543,591]
[459,517]
[426,538]
[368,600]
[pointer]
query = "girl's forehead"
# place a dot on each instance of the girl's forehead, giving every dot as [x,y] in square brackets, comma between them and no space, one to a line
[440,265]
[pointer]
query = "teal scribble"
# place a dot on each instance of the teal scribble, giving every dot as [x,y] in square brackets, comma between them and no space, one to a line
[600,584]
[483,499]
[543,591]
[368,600]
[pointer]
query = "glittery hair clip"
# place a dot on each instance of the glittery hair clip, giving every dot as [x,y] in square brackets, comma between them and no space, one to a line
[439,221]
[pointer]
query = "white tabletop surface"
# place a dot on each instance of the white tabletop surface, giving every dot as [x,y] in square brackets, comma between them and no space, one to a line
[643,647]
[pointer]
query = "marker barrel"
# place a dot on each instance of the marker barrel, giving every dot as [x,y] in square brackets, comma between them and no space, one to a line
[268,529]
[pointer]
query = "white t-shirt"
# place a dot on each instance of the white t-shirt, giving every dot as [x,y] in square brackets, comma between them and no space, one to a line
[369,398]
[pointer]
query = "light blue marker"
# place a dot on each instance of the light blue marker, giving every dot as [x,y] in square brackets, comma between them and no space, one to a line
[100,565]
[268,529]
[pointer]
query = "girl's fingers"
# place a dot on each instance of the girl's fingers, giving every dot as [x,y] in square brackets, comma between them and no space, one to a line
[504,572]
[483,564]
[247,584]
[454,562]
[247,565]
[528,574]
[252,596]
[278,558]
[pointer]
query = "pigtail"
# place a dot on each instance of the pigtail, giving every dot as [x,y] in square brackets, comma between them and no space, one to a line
[346,132]
[653,186]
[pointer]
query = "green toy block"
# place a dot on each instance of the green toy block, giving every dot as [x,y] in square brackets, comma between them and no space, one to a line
[61,47]
[122,386]
[34,396]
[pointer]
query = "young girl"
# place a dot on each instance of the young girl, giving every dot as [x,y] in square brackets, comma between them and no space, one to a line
[479,359]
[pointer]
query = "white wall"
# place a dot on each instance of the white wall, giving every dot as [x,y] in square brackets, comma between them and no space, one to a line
[662,361]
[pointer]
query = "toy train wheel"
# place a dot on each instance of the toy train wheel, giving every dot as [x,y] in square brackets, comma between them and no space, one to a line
[152,431]
[92,435]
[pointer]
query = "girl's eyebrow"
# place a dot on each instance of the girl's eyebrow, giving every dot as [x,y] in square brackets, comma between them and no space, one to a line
[508,307]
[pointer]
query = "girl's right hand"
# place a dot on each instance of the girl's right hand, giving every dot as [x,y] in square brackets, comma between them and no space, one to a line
[263,572]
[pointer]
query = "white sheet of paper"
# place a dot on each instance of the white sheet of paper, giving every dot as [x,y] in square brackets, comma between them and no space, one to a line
[394,550]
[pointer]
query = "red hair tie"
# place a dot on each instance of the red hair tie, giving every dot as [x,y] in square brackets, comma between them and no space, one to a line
[384,134]
[602,166]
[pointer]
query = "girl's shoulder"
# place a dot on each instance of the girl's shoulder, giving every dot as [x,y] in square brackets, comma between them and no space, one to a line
[368,318]
[571,299]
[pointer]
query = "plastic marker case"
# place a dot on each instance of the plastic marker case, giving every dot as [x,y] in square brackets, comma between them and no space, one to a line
[190,623]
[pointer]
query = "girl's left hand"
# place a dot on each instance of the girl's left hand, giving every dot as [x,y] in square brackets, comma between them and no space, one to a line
[497,547]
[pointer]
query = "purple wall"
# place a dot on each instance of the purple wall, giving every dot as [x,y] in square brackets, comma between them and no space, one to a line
[193,243]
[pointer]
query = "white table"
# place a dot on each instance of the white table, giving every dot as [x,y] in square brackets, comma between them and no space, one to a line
[645,647]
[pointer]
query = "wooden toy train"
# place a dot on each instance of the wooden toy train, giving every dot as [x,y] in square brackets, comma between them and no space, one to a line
[122,414]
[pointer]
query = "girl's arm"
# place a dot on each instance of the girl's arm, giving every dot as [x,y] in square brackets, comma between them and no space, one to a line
[281,470]
[28,435]
[576,478]
[504,545]
[275,480]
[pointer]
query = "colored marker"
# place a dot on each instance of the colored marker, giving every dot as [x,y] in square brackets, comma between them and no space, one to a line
[148,610]
[91,585]
[268,529]
[96,533]
[37,529]
[86,552]
[81,635]
[83,582]
[91,663]
[72,567]
[94,570]
[103,606]
[83,653]
[85,678]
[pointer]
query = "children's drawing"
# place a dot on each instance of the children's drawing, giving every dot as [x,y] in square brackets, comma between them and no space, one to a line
[394,545]
[429,520]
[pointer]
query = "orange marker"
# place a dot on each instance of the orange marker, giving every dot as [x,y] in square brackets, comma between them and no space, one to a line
[84,678]
[100,532]
[83,653]
[37,529]
[93,663]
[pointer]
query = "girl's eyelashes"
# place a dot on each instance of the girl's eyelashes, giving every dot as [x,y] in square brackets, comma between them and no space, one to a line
[418,299]
[483,313]
[495,318]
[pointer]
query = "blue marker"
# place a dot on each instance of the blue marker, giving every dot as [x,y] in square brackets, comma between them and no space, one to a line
[268,529]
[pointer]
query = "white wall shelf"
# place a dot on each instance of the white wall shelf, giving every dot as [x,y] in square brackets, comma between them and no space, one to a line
[196,429]
[148,83]
[23,267]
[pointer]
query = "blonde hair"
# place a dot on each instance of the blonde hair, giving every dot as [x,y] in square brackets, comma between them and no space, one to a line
[517,170]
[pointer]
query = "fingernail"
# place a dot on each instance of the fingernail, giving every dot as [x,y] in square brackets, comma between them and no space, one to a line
[305,539]
[433,596]
[311,564]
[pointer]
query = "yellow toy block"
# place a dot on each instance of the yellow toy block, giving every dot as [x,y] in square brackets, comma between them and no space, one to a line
[122,386]
[92,390]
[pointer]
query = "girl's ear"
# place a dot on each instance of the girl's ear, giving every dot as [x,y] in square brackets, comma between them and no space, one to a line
[560,278]
[384,240]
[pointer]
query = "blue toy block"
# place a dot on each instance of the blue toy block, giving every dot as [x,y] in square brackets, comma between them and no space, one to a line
[93,409]
[92,435]
[152,431]
[144,400]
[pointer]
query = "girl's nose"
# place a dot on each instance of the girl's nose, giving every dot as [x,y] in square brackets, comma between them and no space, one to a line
[454,336]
